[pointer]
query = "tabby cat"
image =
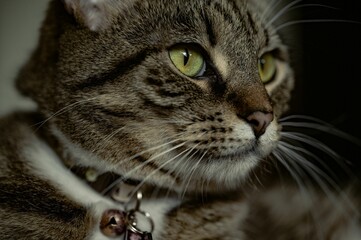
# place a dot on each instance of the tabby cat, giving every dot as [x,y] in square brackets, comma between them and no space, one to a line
[168,108]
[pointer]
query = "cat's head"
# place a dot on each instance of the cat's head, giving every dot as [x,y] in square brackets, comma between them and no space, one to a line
[181,93]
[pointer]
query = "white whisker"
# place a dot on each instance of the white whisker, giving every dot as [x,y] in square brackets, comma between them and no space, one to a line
[324,127]
[281,12]
[181,161]
[318,145]
[107,138]
[155,171]
[306,164]
[300,137]
[320,177]
[308,153]
[306,196]
[194,168]
[150,149]
[270,11]
[63,110]
[295,22]
[313,5]
[122,178]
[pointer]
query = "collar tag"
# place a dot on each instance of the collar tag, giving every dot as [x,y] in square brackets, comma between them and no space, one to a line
[123,192]
[131,223]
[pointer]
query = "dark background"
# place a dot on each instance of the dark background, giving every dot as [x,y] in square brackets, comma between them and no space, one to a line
[327,60]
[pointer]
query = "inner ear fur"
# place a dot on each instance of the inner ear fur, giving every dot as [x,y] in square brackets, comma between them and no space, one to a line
[96,14]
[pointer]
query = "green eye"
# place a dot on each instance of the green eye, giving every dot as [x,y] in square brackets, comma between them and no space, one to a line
[267,67]
[188,60]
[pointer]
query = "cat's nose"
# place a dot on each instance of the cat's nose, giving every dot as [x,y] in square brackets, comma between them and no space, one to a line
[259,122]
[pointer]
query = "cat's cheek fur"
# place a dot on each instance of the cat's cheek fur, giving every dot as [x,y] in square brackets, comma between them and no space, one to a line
[45,163]
[82,157]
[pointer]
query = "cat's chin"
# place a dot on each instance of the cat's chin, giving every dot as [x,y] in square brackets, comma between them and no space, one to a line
[211,177]
[228,170]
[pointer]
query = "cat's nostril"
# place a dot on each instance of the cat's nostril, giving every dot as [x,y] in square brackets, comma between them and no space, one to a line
[259,122]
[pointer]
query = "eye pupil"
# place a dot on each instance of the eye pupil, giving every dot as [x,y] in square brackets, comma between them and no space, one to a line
[262,62]
[186,56]
[267,67]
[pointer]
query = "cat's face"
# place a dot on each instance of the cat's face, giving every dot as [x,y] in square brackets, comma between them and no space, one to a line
[180,93]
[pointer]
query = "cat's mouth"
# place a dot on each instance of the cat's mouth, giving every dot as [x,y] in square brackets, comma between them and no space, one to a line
[229,155]
[240,154]
[220,153]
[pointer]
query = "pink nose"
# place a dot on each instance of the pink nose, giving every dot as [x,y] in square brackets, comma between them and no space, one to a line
[259,122]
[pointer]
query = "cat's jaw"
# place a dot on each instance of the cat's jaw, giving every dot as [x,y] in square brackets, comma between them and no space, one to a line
[226,171]
[74,155]
[79,156]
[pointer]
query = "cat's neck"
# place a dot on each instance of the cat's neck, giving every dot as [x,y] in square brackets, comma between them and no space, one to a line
[104,182]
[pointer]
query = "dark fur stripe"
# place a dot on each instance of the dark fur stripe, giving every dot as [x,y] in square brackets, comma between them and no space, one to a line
[236,10]
[117,113]
[169,93]
[122,68]
[45,201]
[252,23]
[267,37]
[218,7]
[154,81]
[211,35]
[143,161]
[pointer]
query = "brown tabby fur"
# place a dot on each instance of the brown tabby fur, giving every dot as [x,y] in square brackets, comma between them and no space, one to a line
[107,86]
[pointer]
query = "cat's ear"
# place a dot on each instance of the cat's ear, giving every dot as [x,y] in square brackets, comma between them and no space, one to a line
[95,14]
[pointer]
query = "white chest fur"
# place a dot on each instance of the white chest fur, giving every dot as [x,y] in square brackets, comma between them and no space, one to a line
[46,164]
